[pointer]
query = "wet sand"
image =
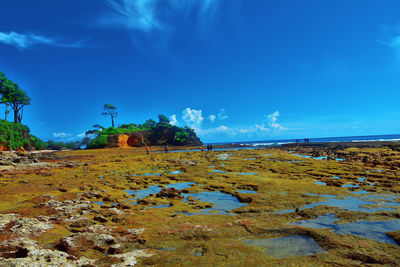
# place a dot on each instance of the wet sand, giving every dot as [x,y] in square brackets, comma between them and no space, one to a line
[293,205]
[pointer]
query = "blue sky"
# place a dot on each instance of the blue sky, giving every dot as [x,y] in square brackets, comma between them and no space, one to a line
[234,70]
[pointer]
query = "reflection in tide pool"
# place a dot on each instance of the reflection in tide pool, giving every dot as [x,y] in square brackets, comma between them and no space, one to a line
[222,203]
[154,189]
[288,246]
[377,203]
[372,230]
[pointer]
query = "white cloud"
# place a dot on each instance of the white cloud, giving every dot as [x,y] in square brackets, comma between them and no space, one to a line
[23,41]
[390,37]
[392,42]
[212,118]
[150,15]
[173,120]
[260,127]
[81,135]
[272,121]
[222,115]
[68,137]
[193,117]
[61,135]
[222,128]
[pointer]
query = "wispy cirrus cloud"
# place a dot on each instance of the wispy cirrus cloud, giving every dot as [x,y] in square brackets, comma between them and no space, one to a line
[390,36]
[24,41]
[154,15]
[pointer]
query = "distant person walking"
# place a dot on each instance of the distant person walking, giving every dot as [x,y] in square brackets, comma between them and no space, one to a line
[147,149]
[166,148]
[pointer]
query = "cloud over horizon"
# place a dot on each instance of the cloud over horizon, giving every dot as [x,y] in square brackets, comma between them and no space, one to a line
[194,119]
[24,41]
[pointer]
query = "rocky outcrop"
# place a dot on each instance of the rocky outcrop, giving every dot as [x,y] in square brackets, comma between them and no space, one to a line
[126,140]
[169,135]
[159,136]
[10,158]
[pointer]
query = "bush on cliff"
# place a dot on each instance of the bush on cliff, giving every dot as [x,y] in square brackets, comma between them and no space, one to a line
[99,142]
[157,133]
[13,135]
[38,143]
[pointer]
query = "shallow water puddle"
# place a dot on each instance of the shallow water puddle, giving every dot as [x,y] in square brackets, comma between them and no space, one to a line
[223,156]
[176,172]
[320,183]
[350,185]
[372,230]
[375,203]
[246,173]
[302,156]
[154,189]
[160,206]
[152,174]
[353,204]
[222,202]
[288,246]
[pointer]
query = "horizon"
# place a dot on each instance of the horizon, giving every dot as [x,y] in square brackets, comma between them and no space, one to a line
[233,71]
[312,138]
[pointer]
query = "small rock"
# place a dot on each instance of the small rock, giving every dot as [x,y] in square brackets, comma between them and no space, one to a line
[100,219]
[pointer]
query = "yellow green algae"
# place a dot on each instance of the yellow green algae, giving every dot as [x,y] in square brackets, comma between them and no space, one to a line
[63,197]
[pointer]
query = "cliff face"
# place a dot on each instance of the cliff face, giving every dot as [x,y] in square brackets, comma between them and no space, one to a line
[158,136]
[135,139]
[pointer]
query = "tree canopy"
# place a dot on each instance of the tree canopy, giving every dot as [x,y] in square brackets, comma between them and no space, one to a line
[12,95]
[163,119]
[110,110]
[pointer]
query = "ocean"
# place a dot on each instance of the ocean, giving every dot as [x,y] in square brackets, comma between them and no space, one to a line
[368,138]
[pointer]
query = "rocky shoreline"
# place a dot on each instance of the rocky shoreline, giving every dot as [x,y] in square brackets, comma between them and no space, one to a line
[121,207]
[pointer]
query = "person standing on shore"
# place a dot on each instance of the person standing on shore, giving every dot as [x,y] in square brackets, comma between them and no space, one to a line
[166,148]
[147,149]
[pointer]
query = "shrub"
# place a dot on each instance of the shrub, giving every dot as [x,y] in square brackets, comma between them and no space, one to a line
[13,134]
[38,143]
[99,142]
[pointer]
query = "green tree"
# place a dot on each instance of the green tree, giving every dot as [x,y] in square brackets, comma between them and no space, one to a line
[110,110]
[150,123]
[12,95]
[163,119]
[4,84]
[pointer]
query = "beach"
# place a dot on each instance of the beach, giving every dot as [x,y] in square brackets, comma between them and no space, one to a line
[323,204]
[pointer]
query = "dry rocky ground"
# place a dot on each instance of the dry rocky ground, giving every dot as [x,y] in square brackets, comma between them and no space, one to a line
[121,207]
